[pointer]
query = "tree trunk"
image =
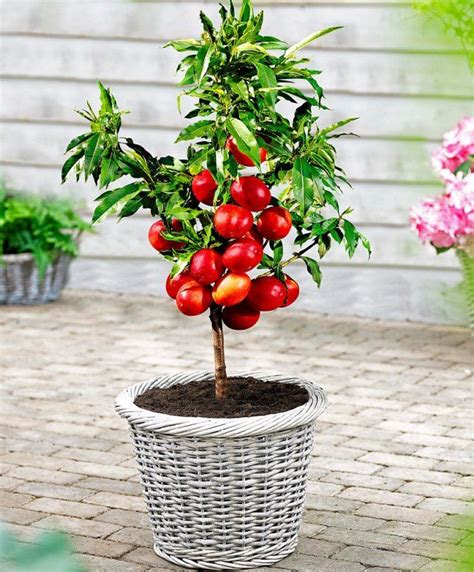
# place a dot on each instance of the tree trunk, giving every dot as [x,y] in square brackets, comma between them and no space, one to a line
[221,382]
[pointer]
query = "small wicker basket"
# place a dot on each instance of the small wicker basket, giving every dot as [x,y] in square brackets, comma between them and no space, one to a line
[223,494]
[20,282]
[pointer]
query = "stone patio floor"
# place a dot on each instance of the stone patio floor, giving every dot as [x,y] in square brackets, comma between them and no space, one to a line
[392,461]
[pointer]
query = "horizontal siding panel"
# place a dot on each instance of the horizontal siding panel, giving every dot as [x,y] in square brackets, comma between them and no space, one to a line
[374,204]
[363,159]
[392,246]
[344,71]
[373,26]
[379,115]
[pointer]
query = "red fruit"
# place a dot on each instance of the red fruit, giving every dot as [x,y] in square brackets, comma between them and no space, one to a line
[251,193]
[240,317]
[242,255]
[157,239]
[266,293]
[274,223]
[253,234]
[242,158]
[232,221]
[176,224]
[193,298]
[231,289]
[204,187]
[174,284]
[206,266]
[292,291]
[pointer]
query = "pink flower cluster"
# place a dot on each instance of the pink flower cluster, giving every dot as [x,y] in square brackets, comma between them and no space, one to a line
[457,148]
[447,220]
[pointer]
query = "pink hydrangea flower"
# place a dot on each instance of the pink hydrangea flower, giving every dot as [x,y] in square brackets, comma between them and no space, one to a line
[457,146]
[446,220]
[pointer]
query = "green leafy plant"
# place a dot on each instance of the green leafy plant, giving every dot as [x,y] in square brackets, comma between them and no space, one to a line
[51,552]
[456,18]
[39,226]
[237,77]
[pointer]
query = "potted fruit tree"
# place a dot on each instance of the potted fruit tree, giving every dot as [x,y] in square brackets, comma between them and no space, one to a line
[223,459]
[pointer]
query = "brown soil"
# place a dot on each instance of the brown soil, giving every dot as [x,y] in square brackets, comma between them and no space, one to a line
[247,397]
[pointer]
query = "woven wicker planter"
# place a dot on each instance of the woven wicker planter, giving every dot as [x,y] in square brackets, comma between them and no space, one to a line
[20,282]
[223,493]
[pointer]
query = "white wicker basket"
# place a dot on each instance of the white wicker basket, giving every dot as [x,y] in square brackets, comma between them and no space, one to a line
[20,282]
[223,493]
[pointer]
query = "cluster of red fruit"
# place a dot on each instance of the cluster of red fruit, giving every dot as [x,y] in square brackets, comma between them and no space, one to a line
[221,275]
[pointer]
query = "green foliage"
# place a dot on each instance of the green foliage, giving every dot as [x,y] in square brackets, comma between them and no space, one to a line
[43,227]
[456,17]
[51,552]
[237,78]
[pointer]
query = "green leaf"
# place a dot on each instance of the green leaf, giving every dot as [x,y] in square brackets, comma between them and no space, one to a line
[244,138]
[130,207]
[183,45]
[352,237]
[111,200]
[240,89]
[78,140]
[308,40]
[207,24]
[245,11]
[277,252]
[105,99]
[335,126]
[271,43]
[303,186]
[92,154]
[313,268]
[198,129]
[267,79]
[70,162]
[183,213]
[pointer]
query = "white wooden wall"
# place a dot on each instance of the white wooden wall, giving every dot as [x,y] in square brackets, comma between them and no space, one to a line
[386,66]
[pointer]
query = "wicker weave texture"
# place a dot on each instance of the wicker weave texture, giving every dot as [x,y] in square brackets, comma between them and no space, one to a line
[20,282]
[222,503]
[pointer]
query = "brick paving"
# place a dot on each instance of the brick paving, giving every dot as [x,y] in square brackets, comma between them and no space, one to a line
[392,466]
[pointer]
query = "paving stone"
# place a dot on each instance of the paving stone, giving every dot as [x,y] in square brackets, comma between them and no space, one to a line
[78,526]
[19,515]
[98,470]
[14,500]
[461,522]
[448,506]
[148,557]
[382,497]
[125,518]
[45,475]
[98,564]
[113,500]
[65,507]
[435,550]
[342,520]
[411,474]
[355,480]
[375,557]
[98,547]
[72,493]
[399,513]
[421,531]
[361,538]
[438,491]
[304,563]
[137,536]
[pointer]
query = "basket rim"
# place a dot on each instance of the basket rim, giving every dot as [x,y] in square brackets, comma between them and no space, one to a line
[28,256]
[219,427]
